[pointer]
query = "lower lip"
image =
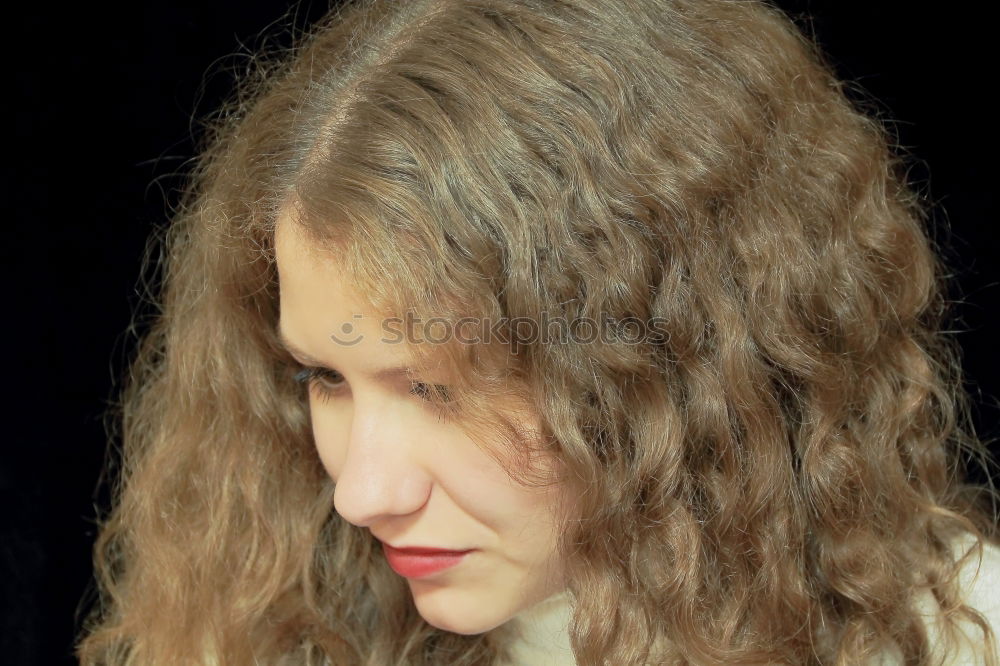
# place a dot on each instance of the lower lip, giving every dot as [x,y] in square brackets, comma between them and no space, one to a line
[409,565]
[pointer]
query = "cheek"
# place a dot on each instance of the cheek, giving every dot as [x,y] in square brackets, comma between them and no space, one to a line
[331,426]
[483,489]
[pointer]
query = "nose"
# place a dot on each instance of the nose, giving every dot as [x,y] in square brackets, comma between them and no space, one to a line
[382,475]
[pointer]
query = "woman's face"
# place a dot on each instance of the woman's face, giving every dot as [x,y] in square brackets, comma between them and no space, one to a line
[410,478]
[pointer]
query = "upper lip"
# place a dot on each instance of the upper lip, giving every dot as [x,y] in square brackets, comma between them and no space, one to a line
[426,550]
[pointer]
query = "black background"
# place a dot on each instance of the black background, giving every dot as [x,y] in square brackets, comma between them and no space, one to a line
[103,114]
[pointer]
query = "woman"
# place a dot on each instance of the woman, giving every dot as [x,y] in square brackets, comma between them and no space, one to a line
[622,307]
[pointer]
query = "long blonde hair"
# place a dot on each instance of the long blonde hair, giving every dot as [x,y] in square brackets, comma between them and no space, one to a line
[772,481]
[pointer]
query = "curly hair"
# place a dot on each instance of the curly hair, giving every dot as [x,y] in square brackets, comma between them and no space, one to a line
[776,480]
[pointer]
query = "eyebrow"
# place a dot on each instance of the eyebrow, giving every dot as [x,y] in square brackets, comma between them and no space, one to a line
[382,374]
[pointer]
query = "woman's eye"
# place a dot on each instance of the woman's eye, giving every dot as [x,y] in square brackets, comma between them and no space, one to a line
[430,392]
[436,397]
[325,383]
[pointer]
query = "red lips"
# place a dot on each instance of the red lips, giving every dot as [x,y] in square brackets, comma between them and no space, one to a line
[418,562]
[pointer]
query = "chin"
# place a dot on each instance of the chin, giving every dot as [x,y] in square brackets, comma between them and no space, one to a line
[441,609]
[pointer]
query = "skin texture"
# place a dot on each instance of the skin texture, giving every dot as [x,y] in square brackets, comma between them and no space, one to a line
[401,472]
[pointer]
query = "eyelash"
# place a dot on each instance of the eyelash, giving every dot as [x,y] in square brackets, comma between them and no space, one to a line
[318,379]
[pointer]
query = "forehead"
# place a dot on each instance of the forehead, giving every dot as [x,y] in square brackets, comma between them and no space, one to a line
[342,254]
[317,280]
[293,247]
[308,266]
[317,295]
[327,318]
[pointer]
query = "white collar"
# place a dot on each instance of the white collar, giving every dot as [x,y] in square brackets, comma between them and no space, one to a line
[543,633]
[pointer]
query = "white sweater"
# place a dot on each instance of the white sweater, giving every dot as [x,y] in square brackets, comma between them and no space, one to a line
[544,628]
